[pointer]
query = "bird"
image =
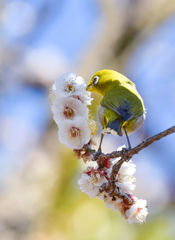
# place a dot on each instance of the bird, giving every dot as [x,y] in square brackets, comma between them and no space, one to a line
[121,110]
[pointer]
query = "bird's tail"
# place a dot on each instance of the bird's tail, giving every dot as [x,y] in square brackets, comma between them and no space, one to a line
[112,123]
[115,126]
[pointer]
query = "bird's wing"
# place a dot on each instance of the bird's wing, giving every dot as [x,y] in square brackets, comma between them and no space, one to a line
[127,107]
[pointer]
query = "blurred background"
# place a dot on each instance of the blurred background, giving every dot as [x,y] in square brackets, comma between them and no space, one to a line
[40,40]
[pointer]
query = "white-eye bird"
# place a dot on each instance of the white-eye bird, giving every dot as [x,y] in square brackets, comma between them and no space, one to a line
[121,110]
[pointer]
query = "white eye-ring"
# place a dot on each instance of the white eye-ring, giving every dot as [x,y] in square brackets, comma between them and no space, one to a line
[95,80]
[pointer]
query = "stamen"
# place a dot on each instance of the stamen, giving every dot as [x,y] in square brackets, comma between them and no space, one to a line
[69,112]
[137,211]
[69,87]
[75,132]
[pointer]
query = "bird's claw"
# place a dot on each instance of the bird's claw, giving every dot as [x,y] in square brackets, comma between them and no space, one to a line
[124,150]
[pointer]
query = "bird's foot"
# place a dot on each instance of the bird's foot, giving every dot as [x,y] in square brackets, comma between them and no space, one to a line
[125,150]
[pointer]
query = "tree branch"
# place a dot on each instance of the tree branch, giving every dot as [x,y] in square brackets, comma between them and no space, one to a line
[128,153]
[125,155]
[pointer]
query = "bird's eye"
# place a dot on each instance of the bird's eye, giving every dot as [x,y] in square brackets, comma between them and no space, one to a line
[95,80]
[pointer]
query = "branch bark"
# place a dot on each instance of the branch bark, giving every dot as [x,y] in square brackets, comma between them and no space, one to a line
[125,155]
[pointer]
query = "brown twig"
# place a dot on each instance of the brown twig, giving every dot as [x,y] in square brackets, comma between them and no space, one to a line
[129,153]
[125,155]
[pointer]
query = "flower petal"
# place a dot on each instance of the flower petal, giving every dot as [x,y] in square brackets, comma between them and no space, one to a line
[68,108]
[70,84]
[71,140]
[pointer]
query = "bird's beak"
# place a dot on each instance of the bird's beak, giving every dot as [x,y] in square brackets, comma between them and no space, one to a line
[88,86]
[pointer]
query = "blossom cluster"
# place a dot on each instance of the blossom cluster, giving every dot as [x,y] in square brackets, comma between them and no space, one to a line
[93,178]
[69,100]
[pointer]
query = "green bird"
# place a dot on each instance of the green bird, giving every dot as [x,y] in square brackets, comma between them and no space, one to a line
[121,110]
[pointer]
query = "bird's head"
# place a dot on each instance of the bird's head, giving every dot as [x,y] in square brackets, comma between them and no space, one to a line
[101,81]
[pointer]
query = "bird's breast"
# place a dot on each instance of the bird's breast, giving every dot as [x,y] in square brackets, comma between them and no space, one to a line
[100,114]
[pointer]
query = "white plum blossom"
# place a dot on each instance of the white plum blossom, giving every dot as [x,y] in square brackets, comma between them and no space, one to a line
[126,186]
[128,168]
[90,182]
[70,84]
[69,100]
[125,177]
[86,98]
[110,202]
[137,212]
[68,108]
[74,134]
[87,186]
